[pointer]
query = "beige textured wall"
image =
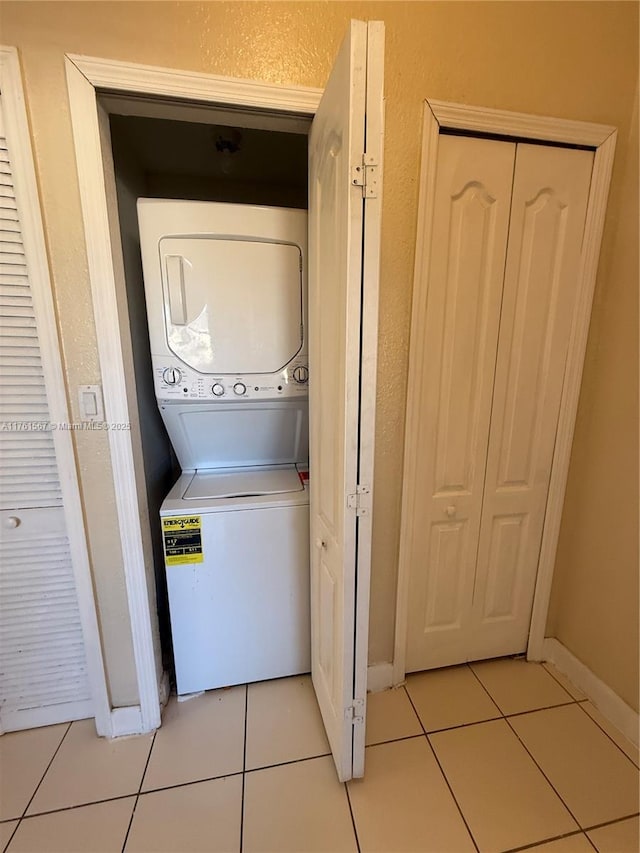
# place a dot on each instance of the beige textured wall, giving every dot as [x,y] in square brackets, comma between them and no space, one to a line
[595,593]
[577,60]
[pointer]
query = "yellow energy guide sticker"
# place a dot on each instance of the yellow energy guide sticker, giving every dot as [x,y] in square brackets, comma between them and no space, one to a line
[182,540]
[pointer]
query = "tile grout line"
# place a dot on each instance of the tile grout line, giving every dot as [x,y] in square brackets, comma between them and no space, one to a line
[307,758]
[393,740]
[178,785]
[592,843]
[244,764]
[543,708]
[353,819]
[15,829]
[135,804]
[589,841]
[574,701]
[506,717]
[604,731]
[611,822]
[147,762]
[37,788]
[555,678]
[549,840]
[571,700]
[20,819]
[551,785]
[125,796]
[501,715]
[444,776]
[507,721]
[77,806]
[291,761]
[244,771]
[455,799]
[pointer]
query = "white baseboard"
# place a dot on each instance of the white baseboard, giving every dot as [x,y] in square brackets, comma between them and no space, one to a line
[615,709]
[126,721]
[379,677]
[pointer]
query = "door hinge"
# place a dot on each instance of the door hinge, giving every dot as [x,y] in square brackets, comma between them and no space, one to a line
[365,175]
[355,712]
[361,500]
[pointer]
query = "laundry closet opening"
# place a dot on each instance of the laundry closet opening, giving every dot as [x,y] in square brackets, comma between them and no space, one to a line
[223,422]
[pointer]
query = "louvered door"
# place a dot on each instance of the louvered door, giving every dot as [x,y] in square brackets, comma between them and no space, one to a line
[43,671]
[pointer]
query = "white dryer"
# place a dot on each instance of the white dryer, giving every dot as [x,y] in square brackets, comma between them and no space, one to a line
[226,301]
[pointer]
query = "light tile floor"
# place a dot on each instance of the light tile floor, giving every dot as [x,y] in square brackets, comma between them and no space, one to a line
[496,756]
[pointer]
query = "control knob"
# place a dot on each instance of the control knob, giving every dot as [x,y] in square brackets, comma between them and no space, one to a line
[218,389]
[239,388]
[301,374]
[172,375]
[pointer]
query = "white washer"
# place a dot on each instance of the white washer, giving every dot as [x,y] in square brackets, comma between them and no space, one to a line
[242,614]
[226,302]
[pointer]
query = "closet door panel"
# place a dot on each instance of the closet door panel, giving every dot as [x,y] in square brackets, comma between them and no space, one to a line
[464,276]
[550,194]
[43,667]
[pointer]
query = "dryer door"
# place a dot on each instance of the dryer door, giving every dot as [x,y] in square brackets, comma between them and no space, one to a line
[232,305]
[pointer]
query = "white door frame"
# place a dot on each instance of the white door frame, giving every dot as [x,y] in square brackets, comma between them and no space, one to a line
[86,78]
[22,167]
[601,138]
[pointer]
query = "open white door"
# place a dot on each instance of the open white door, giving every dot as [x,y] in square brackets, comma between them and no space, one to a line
[345,186]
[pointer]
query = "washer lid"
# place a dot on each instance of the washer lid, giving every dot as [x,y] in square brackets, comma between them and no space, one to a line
[209,434]
[243,482]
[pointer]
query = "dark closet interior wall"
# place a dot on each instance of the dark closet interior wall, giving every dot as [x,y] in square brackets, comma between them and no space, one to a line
[163,158]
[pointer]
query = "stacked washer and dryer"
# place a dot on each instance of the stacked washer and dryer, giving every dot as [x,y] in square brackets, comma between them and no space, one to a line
[225,287]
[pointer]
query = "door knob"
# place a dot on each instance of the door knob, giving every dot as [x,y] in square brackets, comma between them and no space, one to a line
[451,511]
[11,522]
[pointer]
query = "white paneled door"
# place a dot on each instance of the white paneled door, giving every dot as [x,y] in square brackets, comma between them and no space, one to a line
[43,668]
[550,191]
[473,197]
[502,282]
[345,150]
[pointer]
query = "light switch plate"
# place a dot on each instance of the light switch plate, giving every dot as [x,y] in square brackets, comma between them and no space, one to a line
[90,402]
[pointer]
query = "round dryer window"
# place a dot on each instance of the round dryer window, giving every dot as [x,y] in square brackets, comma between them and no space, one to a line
[232,305]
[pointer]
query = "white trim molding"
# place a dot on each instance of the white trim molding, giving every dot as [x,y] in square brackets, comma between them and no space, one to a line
[153,81]
[430,130]
[22,163]
[615,709]
[594,226]
[87,77]
[522,125]
[126,721]
[379,677]
[438,116]
[84,119]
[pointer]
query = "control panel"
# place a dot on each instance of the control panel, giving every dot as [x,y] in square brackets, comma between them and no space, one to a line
[176,381]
